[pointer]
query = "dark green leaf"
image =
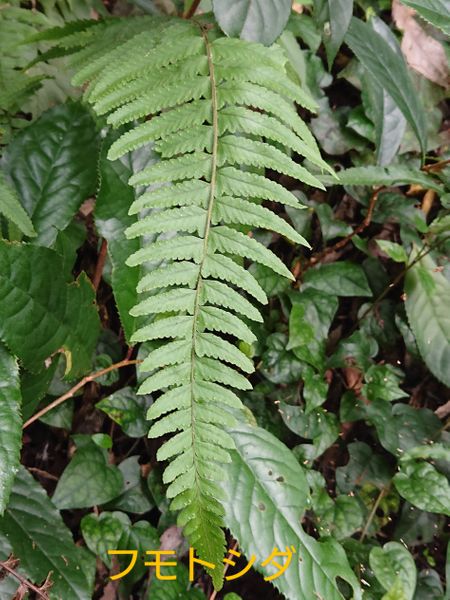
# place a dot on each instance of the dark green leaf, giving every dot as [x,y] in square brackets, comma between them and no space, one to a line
[382,383]
[12,209]
[114,199]
[175,589]
[342,518]
[363,467]
[340,12]
[330,226]
[340,279]
[393,250]
[53,164]
[128,410]
[310,319]
[268,494]
[319,425]
[59,315]
[34,386]
[38,536]
[88,479]
[394,568]
[278,364]
[254,20]
[134,498]
[10,424]
[390,71]
[423,486]
[427,293]
[101,533]
[429,586]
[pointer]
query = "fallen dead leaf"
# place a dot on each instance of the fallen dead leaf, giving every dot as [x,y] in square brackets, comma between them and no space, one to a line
[423,53]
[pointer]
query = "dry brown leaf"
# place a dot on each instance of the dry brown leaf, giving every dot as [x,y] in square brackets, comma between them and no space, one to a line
[423,53]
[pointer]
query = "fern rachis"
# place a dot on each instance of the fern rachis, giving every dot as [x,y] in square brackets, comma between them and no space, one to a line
[220,109]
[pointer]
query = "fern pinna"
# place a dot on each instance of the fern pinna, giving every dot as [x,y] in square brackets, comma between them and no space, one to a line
[221,111]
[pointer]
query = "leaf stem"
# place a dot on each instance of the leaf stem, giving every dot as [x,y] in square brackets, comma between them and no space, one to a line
[78,386]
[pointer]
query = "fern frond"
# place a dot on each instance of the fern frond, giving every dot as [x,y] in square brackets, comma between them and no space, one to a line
[215,109]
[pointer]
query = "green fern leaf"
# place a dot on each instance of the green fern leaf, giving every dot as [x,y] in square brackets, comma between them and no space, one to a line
[213,109]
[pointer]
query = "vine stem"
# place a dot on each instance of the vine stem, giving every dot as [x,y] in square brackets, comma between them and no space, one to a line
[5,566]
[372,512]
[78,386]
[190,13]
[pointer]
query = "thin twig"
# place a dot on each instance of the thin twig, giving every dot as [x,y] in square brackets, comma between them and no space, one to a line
[79,385]
[100,264]
[372,512]
[4,565]
[190,13]
[233,547]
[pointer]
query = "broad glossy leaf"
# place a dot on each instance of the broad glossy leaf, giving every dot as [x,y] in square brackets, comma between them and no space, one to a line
[319,425]
[38,536]
[101,533]
[128,410]
[400,427]
[134,498]
[435,12]
[340,13]
[341,278]
[53,164]
[309,321]
[382,383]
[342,518]
[88,479]
[390,71]
[423,486]
[268,495]
[12,209]
[363,467]
[393,250]
[35,299]
[114,531]
[253,20]
[427,293]
[394,568]
[10,424]
[114,199]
